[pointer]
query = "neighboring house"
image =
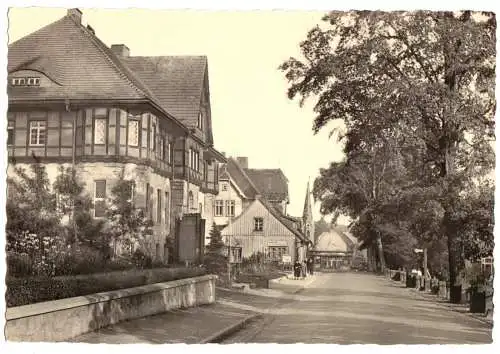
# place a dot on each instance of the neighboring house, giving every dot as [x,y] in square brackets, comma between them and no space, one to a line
[75,101]
[335,248]
[262,228]
[258,224]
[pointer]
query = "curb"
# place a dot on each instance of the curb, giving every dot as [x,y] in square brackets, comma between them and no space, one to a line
[229,330]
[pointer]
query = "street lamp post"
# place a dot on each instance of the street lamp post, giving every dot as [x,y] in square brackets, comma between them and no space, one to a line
[229,235]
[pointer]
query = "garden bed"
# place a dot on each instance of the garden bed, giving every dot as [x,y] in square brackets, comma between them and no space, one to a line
[24,291]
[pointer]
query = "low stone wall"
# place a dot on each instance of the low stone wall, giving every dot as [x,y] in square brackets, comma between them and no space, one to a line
[63,319]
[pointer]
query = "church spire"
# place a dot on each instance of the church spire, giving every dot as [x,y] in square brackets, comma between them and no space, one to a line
[307,215]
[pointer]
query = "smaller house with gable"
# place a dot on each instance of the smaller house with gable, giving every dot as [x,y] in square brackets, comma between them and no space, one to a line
[251,210]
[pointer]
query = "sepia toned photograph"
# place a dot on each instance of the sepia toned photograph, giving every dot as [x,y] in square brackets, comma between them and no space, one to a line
[285,176]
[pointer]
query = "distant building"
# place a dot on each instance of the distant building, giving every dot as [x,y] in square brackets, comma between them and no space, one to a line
[335,248]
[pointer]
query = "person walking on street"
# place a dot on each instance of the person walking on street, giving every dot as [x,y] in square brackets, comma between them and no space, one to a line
[310,266]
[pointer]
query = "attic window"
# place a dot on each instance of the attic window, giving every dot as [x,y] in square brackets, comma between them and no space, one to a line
[200,120]
[25,81]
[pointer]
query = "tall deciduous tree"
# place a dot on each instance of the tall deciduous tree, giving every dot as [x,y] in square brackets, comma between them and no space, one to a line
[429,73]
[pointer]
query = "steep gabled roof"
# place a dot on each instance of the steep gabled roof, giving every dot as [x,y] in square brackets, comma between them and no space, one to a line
[272,183]
[176,81]
[233,169]
[275,213]
[81,66]
[283,219]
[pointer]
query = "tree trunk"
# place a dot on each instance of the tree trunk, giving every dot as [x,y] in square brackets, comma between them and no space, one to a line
[380,250]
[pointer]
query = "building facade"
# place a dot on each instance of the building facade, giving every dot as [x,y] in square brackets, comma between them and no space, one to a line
[75,101]
[257,224]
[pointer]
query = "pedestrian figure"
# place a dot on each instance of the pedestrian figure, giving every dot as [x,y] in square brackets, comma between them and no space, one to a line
[296,270]
[310,265]
[304,269]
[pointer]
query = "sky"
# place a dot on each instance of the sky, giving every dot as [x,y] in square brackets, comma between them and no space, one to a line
[251,113]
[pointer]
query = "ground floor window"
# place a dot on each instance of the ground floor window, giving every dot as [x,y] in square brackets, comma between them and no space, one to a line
[276,253]
[236,253]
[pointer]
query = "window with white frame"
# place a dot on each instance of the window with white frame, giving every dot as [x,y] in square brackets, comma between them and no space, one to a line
[25,81]
[100,131]
[190,201]
[169,153]
[38,133]
[153,137]
[236,253]
[230,206]
[133,132]
[162,148]
[167,208]
[194,160]
[158,206]
[132,192]
[100,198]
[10,132]
[258,224]
[225,187]
[276,253]
[219,207]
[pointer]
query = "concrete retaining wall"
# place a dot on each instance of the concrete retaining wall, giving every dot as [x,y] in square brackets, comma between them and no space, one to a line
[63,319]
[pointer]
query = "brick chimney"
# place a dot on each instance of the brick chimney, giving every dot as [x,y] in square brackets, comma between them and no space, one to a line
[242,161]
[120,50]
[75,14]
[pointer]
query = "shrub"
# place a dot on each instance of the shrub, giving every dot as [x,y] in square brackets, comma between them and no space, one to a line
[142,260]
[24,291]
[19,265]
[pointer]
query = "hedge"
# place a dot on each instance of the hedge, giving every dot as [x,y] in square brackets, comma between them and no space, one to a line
[24,291]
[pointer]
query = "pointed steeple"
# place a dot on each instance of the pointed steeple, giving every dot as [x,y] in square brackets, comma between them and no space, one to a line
[307,215]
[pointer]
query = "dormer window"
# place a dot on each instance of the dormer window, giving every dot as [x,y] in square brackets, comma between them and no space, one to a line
[200,120]
[25,81]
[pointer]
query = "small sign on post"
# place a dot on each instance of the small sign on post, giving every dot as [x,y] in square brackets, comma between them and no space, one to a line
[286,259]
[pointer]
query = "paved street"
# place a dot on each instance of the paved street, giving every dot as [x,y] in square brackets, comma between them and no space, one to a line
[351,308]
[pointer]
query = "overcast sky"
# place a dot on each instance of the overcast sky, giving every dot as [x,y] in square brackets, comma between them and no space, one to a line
[251,113]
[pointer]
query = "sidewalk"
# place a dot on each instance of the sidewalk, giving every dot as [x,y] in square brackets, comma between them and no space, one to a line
[461,308]
[202,324]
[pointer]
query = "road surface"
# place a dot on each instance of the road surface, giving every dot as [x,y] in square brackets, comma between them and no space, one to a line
[353,308]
